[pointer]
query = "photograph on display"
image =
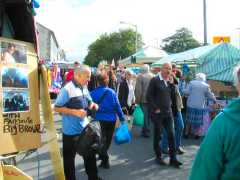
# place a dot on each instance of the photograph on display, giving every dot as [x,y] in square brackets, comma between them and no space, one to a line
[14,77]
[15,101]
[12,53]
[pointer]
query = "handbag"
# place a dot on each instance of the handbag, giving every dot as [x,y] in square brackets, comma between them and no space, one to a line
[90,142]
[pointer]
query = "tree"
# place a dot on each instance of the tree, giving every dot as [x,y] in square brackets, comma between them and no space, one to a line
[181,41]
[116,45]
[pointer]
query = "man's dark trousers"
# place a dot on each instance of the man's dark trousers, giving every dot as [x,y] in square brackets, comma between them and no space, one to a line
[160,121]
[69,153]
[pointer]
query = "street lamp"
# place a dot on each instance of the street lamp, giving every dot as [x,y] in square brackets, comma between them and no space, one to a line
[205,22]
[134,25]
[239,36]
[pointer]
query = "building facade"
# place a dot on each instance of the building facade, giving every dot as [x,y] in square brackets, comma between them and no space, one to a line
[49,48]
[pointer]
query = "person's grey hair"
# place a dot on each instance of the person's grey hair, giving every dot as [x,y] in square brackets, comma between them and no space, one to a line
[81,69]
[166,63]
[145,68]
[201,76]
[236,75]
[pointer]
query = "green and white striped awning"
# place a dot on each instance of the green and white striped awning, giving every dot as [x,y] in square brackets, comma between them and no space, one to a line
[219,63]
[190,56]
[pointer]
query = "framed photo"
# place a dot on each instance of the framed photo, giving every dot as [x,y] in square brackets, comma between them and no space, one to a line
[14,77]
[15,101]
[12,53]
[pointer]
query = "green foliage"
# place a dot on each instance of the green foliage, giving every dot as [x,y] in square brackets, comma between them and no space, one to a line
[181,41]
[116,45]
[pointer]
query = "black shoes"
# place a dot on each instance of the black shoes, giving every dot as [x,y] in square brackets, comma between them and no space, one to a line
[160,161]
[99,178]
[196,137]
[145,135]
[178,151]
[105,165]
[175,163]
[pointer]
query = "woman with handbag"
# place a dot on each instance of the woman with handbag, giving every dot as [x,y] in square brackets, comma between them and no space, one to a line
[126,93]
[109,108]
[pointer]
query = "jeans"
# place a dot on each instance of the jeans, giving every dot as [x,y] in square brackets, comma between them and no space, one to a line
[147,120]
[107,134]
[178,126]
[69,153]
[165,121]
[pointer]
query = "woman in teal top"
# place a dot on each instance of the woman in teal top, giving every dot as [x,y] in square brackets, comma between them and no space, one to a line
[219,155]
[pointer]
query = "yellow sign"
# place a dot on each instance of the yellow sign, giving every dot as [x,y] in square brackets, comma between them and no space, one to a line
[19,97]
[221,39]
[12,173]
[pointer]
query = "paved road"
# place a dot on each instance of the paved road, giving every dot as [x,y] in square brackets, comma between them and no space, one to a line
[134,161]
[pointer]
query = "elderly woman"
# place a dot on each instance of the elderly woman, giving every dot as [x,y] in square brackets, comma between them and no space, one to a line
[197,116]
[109,108]
[218,156]
[126,93]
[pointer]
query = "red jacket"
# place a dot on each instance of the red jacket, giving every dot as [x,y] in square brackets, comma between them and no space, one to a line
[69,75]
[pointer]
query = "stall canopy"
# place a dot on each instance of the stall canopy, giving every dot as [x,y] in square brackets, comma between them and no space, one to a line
[189,56]
[219,63]
[147,55]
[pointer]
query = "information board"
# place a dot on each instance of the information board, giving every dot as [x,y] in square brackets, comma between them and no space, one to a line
[19,97]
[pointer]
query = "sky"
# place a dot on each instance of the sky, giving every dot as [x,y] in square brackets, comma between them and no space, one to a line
[78,23]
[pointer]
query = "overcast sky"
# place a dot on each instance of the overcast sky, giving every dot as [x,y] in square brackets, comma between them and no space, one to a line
[77,23]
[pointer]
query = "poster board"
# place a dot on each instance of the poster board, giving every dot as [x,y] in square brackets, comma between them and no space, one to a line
[19,97]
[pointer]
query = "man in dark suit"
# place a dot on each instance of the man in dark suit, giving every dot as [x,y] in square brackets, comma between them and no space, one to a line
[159,96]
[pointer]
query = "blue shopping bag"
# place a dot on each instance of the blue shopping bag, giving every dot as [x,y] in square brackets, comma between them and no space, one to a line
[122,134]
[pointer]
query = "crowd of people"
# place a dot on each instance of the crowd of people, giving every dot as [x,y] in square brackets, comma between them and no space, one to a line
[163,95]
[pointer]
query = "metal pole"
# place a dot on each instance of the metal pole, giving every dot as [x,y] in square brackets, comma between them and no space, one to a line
[238,36]
[205,22]
[136,40]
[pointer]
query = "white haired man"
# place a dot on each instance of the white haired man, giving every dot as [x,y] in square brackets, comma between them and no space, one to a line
[159,96]
[141,87]
[73,102]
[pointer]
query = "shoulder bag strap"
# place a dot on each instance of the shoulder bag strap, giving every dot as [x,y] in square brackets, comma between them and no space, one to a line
[102,97]
[93,112]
